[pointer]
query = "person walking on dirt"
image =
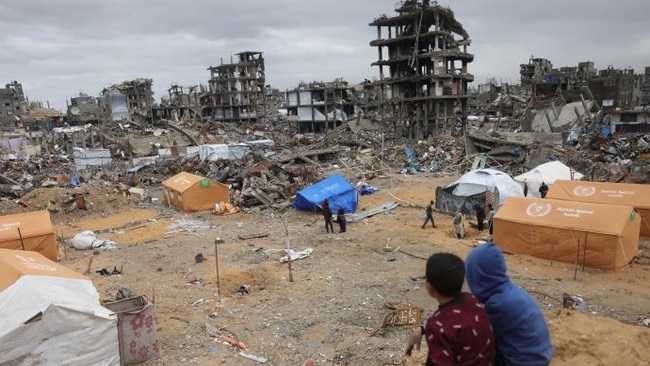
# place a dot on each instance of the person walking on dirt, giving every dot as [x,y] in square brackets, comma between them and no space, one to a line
[480,216]
[543,190]
[429,215]
[490,217]
[459,225]
[327,215]
[340,218]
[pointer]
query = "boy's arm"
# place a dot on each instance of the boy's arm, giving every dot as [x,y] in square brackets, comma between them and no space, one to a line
[414,341]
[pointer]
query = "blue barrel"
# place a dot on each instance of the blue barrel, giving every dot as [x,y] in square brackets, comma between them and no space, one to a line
[606,130]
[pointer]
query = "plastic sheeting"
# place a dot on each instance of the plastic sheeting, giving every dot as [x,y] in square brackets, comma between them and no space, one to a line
[548,173]
[73,328]
[481,180]
[223,151]
[84,158]
[336,189]
[88,240]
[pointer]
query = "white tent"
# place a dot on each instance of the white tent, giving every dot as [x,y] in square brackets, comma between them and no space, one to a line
[548,173]
[51,315]
[481,180]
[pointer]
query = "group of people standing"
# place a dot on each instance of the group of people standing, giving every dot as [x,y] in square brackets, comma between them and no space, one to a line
[459,219]
[340,218]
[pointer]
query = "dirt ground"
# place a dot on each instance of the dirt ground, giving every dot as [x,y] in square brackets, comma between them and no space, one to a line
[339,293]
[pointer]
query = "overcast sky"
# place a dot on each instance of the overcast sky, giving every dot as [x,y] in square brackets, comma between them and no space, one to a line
[57,48]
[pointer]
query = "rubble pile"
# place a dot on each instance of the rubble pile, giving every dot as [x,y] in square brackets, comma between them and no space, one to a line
[272,174]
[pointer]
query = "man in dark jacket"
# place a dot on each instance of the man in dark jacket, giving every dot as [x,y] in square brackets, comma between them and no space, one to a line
[480,216]
[428,216]
[520,330]
[327,215]
[543,190]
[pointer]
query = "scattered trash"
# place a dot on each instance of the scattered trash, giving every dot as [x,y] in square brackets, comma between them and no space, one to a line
[106,272]
[243,289]
[233,342]
[296,255]
[123,293]
[253,357]
[199,258]
[400,315]
[88,240]
[572,301]
[198,302]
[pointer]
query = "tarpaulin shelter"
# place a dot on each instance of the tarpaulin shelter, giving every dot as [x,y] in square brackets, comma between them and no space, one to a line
[446,201]
[599,236]
[338,191]
[548,173]
[224,151]
[497,185]
[29,231]
[627,194]
[189,192]
[51,315]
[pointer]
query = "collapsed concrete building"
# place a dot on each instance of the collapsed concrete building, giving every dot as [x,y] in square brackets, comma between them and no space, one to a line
[320,106]
[83,109]
[182,103]
[129,101]
[237,89]
[611,88]
[12,103]
[423,69]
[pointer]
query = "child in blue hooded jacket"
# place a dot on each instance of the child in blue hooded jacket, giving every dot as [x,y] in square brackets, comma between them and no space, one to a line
[520,330]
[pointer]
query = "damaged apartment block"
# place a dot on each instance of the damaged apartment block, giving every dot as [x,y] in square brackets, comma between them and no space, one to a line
[423,69]
[237,89]
[183,103]
[320,106]
[129,101]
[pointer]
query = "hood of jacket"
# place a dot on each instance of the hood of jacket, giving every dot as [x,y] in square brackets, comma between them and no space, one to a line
[485,269]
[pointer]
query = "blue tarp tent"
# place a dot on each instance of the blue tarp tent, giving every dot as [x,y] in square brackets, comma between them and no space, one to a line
[336,189]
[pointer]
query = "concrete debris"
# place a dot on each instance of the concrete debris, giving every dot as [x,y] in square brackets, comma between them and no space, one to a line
[130,158]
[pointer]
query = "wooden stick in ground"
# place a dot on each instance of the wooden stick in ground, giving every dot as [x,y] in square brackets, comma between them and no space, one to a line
[90,263]
[289,260]
[288,250]
[575,269]
[216,265]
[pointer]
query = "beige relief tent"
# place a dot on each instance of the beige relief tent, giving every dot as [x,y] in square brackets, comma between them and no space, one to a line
[189,192]
[627,194]
[51,315]
[599,236]
[29,231]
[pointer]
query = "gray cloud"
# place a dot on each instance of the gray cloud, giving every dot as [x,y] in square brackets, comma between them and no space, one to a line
[57,48]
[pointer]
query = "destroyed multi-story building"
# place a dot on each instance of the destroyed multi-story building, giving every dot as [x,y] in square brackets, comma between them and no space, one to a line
[320,106]
[182,103]
[237,89]
[129,101]
[83,109]
[611,88]
[534,71]
[645,88]
[423,61]
[12,103]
